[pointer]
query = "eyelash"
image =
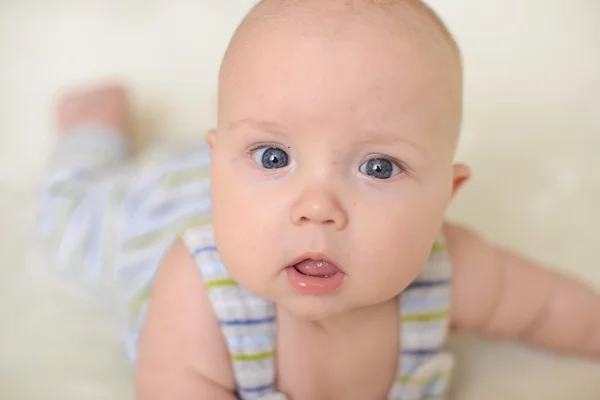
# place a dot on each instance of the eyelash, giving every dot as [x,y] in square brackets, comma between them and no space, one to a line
[404,169]
[261,146]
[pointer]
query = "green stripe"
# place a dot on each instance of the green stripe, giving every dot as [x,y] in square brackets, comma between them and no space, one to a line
[153,237]
[220,283]
[148,239]
[438,247]
[436,316]
[159,158]
[182,177]
[61,221]
[140,298]
[407,380]
[109,236]
[195,224]
[253,357]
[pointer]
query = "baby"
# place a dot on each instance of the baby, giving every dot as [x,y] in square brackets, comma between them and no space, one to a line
[317,264]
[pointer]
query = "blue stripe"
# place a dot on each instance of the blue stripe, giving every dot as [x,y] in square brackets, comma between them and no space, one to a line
[206,249]
[257,389]
[132,204]
[141,223]
[74,229]
[419,352]
[93,253]
[237,322]
[426,284]
[425,302]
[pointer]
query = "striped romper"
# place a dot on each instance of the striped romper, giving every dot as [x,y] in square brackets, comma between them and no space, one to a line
[109,218]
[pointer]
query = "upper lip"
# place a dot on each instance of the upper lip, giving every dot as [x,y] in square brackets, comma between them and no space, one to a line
[315,257]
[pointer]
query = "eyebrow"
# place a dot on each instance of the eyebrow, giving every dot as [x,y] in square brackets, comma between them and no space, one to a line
[257,124]
[369,136]
[389,138]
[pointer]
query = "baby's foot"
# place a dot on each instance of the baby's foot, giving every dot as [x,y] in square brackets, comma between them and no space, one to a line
[106,106]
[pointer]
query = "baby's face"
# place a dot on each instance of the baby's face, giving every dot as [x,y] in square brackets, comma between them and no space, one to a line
[337,149]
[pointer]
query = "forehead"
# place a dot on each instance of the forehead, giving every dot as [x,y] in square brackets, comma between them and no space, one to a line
[281,68]
[345,73]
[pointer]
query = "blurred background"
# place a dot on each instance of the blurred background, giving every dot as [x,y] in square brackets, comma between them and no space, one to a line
[531,134]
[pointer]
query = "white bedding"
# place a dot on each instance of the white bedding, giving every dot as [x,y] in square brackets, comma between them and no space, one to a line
[532,133]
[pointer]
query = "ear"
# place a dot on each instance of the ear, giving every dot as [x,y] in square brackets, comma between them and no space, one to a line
[462,173]
[211,138]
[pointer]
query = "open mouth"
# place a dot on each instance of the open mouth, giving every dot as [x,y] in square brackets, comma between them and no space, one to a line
[313,275]
[316,268]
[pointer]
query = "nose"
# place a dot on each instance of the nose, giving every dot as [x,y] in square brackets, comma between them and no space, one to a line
[319,207]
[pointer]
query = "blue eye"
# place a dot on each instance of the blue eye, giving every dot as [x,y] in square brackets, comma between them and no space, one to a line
[380,168]
[271,157]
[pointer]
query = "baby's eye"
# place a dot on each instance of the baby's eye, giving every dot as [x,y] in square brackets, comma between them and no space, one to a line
[270,157]
[380,168]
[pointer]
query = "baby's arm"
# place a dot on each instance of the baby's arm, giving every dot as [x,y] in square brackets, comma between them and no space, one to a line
[182,353]
[506,296]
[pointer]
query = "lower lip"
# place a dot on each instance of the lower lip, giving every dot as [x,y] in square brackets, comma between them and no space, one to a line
[314,285]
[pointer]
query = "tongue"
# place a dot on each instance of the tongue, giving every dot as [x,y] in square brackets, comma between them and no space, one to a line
[318,268]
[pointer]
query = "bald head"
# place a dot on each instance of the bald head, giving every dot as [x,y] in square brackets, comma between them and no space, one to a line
[408,19]
[402,37]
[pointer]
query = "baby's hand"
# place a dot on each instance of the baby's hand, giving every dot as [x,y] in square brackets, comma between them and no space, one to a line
[106,106]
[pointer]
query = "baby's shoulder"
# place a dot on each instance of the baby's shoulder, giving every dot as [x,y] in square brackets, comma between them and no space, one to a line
[193,337]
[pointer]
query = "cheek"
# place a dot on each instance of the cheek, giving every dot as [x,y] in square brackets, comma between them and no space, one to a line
[395,238]
[242,201]
[246,221]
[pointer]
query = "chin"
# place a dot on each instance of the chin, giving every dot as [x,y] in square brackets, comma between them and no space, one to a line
[314,308]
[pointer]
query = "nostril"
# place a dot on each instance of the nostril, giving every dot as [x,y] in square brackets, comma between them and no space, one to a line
[325,222]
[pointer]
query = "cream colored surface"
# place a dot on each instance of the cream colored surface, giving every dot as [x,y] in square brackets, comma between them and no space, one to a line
[532,132]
